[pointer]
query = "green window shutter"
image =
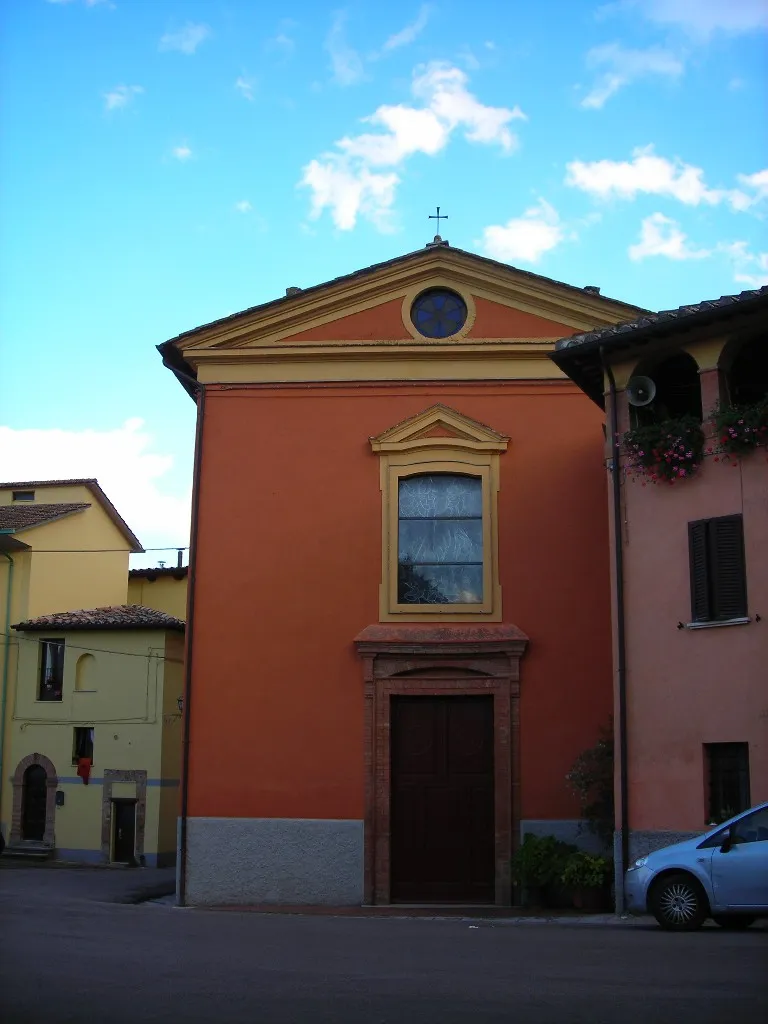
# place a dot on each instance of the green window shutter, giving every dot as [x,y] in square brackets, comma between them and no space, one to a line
[701,610]
[728,568]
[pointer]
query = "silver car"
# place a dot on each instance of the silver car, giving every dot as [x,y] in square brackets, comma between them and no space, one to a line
[722,874]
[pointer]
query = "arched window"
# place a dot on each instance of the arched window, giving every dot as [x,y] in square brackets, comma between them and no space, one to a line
[85,672]
[440,539]
[678,390]
[746,372]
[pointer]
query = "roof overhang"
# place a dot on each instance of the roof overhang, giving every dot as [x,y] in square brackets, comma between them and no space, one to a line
[584,361]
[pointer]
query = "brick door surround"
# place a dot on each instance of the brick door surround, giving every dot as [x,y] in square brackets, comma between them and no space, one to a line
[51,784]
[440,660]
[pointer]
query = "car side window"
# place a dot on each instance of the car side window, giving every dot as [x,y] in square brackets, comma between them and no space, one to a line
[752,828]
[715,840]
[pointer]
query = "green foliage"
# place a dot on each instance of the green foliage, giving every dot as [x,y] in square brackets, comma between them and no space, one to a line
[586,871]
[540,860]
[591,777]
[740,429]
[665,452]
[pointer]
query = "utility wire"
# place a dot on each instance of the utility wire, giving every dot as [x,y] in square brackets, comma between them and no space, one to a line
[94,650]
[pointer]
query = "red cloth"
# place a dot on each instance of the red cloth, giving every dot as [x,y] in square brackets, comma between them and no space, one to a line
[84,769]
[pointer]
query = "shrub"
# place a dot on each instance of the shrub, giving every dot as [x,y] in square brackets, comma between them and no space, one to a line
[540,860]
[591,778]
[586,871]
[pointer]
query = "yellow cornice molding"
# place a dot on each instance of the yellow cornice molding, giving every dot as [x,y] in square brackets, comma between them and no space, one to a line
[444,267]
[474,348]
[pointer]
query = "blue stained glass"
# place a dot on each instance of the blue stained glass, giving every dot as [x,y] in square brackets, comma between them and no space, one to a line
[438,313]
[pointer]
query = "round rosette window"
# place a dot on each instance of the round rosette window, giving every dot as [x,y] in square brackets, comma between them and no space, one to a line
[438,313]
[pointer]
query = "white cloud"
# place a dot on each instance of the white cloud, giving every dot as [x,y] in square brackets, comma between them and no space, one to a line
[756,183]
[524,239]
[346,63]
[344,180]
[407,35]
[647,174]
[182,152]
[121,96]
[349,192]
[661,236]
[620,66]
[703,18]
[245,86]
[187,39]
[243,206]
[132,475]
[750,269]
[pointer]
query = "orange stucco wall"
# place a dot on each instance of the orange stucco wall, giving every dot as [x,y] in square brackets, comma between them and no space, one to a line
[288,571]
[382,321]
[492,320]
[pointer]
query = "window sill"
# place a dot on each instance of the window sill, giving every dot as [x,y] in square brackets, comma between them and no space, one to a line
[718,622]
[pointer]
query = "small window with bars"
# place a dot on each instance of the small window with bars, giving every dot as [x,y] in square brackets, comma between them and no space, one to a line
[718,569]
[727,767]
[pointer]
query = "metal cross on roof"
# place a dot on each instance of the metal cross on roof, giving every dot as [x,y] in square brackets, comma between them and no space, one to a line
[438,217]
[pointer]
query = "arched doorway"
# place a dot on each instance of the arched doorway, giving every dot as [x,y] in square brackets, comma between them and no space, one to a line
[33,803]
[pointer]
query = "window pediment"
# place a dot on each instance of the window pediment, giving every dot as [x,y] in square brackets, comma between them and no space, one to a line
[439,427]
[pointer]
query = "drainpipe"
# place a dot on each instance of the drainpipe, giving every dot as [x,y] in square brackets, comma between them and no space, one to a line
[621,649]
[181,872]
[6,662]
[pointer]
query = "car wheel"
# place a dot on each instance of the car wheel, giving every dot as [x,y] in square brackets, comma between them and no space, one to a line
[678,903]
[735,922]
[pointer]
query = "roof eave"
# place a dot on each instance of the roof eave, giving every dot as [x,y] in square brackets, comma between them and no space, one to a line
[580,362]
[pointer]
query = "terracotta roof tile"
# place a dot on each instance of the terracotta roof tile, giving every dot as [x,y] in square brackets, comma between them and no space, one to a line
[122,616]
[579,356]
[177,572]
[22,517]
[648,321]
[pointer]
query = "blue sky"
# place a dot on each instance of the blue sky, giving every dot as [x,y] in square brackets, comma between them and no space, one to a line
[167,163]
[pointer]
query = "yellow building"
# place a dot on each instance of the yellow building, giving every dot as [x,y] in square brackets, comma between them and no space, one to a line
[86,674]
[99,693]
[163,588]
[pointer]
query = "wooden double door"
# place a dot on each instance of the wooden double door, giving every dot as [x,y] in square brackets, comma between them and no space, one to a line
[442,831]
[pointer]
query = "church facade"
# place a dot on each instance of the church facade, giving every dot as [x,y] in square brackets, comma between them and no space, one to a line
[399,631]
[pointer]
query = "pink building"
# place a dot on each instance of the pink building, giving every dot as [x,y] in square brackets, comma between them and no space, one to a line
[686,399]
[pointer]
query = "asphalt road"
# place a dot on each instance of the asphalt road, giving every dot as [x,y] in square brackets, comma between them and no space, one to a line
[66,956]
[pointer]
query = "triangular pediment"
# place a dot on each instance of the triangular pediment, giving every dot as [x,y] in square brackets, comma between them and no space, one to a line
[440,426]
[367,307]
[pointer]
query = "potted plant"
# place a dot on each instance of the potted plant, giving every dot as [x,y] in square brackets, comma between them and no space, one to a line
[587,876]
[537,867]
[665,452]
[739,429]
